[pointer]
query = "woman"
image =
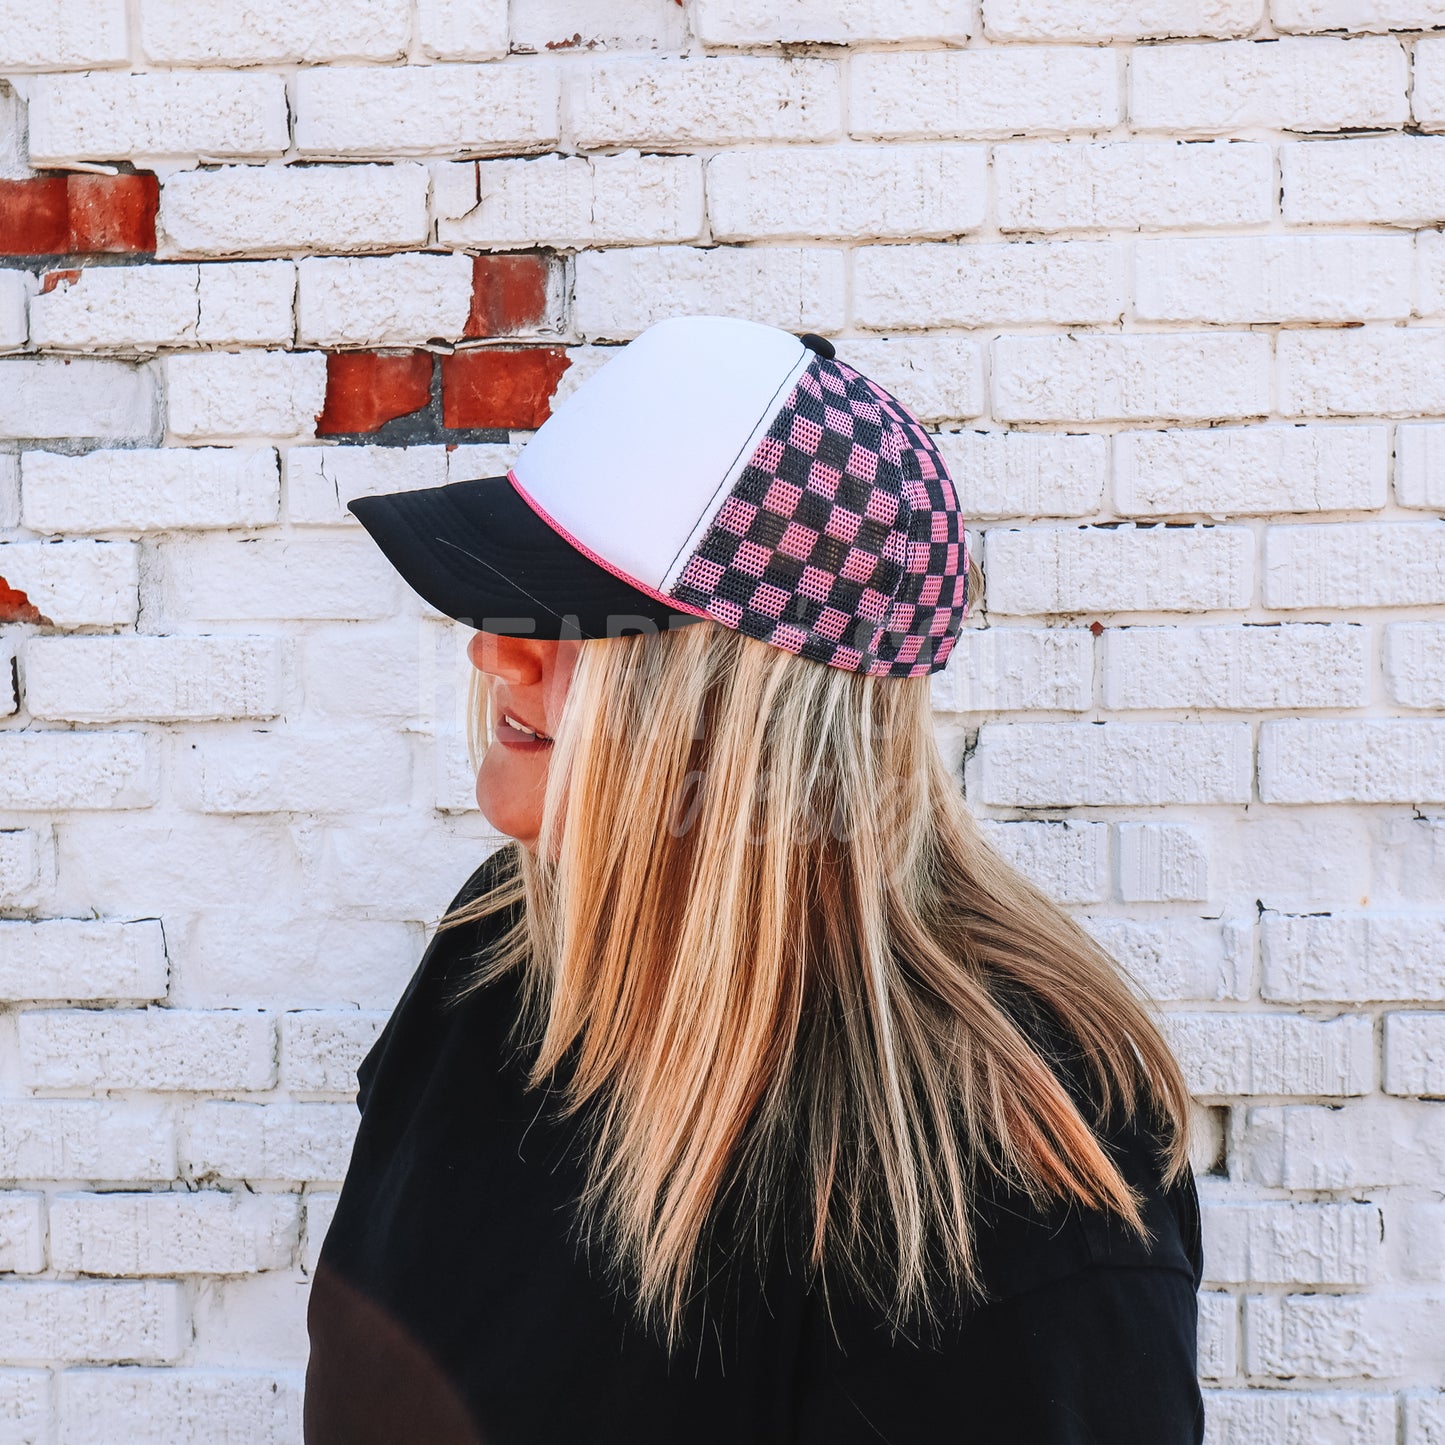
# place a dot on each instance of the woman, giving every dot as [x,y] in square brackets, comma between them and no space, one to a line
[747,1095]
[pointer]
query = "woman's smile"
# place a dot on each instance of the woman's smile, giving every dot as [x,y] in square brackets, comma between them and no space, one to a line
[512,732]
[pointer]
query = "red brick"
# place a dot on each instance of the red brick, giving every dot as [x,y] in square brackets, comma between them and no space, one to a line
[15,606]
[78,215]
[509,389]
[34,217]
[113,213]
[365,389]
[509,294]
[52,279]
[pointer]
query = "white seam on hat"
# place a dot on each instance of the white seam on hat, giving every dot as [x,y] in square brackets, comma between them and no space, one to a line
[740,462]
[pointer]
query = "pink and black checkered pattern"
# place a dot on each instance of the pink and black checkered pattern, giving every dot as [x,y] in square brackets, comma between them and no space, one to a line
[841,540]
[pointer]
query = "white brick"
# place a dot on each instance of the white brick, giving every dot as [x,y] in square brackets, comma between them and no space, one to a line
[1415,1237]
[577,201]
[331,772]
[293,1142]
[425,109]
[620,293]
[920,94]
[1255,470]
[210,1232]
[102,117]
[1069,282]
[1017,668]
[237,394]
[1389,371]
[1052,765]
[669,104]
[382,300]
[1042,569]
[386,674]
[76,584]
[22,1239]
[163,678]
[44,1321]
[292,958]
[56,1139]
[320,1050]
[1025,474]
[1427,92]
[1326,1337]
[1358,15]
[12,133]
[222,579]
[1117,19]
[1420,465]
[19,866]
[1409,862]
[1069,859]
[320,481]
[818,192]
[151,491]
[1298,1417]
[1162,863]
[463,29]
[9,489]
[936,377]
[1365,760]
[830,22]
[1133,185]
[138,308]
[1313,84]
[64,35]
[1350,957]
[149,1407]
[42,397]
[1184,960]
[25,1406]
[1229,1055]
[82,958]
[250,32]
[1397,180]
[1429,273]
[1247,666]
[1354,564]
[240,209]
[64,769]
[1291,1243]
[1415,1053]
[1273,278]
[542,26]
[1187,377]
[146,1049]
[1362,1145]
[1414,663]
[1218,1336]
[320,1210]
[15,291]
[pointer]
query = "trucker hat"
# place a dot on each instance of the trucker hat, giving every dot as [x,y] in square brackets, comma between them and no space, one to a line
[715,468]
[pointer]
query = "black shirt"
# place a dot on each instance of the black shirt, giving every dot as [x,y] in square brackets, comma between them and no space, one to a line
[450,1304]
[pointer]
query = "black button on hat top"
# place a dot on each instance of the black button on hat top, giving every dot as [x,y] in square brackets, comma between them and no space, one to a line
[820,344]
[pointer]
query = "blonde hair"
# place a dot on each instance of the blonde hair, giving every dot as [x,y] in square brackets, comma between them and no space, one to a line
[769,938]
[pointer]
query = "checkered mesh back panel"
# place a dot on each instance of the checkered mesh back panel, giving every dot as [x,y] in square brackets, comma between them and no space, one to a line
[841,540]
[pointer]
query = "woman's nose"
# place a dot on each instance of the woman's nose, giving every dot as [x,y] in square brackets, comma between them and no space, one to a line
[517,660]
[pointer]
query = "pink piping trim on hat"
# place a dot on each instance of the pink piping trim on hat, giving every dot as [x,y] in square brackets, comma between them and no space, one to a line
[602,562]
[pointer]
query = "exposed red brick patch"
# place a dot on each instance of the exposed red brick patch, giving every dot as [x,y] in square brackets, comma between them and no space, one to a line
[509,294]
[364,390]
[34,217]
[78,214]
[501,388]
[52,279]
[15,606]
[113,213]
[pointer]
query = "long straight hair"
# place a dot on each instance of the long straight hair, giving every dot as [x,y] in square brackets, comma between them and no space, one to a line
[777,953]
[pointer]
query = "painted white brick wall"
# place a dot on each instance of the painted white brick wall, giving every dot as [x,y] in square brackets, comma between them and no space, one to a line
[1166,279]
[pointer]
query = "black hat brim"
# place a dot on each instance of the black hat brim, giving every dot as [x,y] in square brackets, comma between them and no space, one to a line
[478,553]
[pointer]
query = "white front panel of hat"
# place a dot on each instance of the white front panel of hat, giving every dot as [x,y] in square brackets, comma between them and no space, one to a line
[648,446]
